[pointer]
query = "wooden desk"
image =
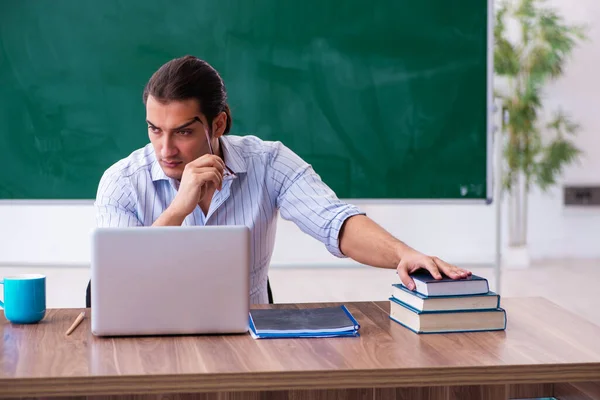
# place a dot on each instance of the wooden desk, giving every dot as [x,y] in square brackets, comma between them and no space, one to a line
[543,349]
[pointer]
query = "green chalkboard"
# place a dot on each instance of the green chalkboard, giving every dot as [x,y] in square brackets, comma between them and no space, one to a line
[386,99]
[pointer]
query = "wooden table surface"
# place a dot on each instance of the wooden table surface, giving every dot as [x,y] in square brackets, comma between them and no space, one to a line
[542,343]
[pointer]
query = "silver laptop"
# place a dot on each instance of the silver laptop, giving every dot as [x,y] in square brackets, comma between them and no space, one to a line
[170,280]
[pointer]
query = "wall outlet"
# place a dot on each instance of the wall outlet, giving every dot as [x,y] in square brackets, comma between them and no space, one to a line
[581,195]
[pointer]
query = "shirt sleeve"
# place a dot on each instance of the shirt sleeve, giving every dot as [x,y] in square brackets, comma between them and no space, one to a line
[303,198]
[115,204]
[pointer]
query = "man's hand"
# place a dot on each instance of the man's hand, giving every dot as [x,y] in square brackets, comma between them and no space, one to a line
[412,260]
[199,177]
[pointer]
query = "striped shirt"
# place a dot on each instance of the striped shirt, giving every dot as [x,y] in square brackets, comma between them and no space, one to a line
[269,178]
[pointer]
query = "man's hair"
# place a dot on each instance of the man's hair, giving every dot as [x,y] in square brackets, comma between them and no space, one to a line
[187,78]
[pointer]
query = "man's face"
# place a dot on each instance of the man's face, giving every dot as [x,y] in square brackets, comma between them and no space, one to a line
[175,134]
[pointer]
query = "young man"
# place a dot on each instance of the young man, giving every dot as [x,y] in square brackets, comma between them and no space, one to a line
[193,173]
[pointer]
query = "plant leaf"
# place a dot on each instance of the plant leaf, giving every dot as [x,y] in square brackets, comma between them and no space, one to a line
[556,155]
[506,58]
[546,43]
[563,124]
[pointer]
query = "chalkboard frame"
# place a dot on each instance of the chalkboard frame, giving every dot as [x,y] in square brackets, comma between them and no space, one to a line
[490,108]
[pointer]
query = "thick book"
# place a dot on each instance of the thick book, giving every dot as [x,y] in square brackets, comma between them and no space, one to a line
[447,321]
[427,285]
[416,300]
[305,322]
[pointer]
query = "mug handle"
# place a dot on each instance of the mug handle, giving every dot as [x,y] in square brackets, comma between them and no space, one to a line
[1,283]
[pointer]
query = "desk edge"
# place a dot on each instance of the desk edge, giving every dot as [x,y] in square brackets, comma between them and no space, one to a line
[298,380]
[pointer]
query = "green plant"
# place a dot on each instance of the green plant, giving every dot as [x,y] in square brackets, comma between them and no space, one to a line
[535,148]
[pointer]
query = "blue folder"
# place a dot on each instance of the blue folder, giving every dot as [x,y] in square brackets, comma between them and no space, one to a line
[302,323]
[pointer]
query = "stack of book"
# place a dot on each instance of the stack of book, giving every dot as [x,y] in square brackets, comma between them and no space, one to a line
[447,305]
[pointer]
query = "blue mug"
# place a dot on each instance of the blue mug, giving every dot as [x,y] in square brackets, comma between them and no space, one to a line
[24,298]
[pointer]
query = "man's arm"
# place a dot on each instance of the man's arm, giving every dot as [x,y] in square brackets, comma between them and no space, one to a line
[170,217]
[115,203]
[304,198]
[366,242]
[200,178]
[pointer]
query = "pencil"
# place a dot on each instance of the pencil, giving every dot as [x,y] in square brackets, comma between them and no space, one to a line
[76,323]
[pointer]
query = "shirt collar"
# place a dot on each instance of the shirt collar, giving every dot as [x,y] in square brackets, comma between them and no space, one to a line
[156,172]
[233,159]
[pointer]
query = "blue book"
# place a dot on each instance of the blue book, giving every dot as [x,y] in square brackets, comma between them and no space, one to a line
[302,323]
[416,300]
[427,285]
[447,321]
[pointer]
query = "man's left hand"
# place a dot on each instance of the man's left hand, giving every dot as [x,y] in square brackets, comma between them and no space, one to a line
[413,260]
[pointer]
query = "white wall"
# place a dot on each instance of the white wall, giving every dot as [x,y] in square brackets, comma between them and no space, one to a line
[54,240]
[571,232]
[60,234]
[462,234]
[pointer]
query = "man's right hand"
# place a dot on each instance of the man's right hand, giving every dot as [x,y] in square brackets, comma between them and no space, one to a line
[200,177]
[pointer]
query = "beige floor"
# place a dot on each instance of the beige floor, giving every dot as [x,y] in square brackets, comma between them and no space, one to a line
[573,285]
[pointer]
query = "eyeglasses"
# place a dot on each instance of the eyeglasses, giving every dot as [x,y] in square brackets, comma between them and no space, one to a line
[228,172]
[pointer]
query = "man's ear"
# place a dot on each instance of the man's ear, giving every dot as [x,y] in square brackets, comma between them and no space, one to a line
[219,124]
